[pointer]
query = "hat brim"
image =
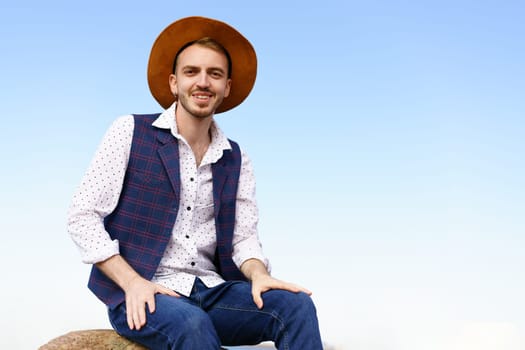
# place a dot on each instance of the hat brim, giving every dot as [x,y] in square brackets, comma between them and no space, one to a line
[185,30]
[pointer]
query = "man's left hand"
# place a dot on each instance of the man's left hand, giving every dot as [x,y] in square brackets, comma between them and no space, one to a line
[264,283]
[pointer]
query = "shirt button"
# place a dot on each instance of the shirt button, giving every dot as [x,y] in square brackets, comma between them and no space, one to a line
[193,263]
[188,208]
[192,179]
[187,236]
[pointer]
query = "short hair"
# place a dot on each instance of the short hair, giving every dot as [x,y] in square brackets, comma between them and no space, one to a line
[209,43]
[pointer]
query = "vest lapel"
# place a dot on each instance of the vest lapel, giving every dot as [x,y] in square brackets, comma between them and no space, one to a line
[169,154]
[220,174]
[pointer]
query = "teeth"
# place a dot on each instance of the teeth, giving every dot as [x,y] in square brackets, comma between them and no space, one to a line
[201,97]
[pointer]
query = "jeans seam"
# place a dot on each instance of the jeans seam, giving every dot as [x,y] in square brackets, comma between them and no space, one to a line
[148,326]
[272,314]
[170,341]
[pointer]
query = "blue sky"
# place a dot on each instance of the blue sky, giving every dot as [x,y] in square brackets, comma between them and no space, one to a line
[387,139]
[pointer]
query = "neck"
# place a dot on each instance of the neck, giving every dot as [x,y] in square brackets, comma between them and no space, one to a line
[196,131]
[193,129]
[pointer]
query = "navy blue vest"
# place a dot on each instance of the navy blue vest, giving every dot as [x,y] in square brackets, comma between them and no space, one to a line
[145,215]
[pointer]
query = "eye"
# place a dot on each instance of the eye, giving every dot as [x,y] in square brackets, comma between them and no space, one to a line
[189,71]
[216,74]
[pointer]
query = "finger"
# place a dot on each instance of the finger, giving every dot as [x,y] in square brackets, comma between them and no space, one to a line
[129,315]
[151,304]
[304,290]
[167,291]
[141,315]
[135,309]
[257,299]
[307,291]
[295,288]
[129,312]
[136,318]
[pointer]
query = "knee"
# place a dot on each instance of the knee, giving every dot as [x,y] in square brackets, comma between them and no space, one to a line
[195,325]
[194,331]
[297,320]
[302,305]
[293,305]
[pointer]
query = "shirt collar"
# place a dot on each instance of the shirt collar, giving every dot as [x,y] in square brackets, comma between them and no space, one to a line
[219,142]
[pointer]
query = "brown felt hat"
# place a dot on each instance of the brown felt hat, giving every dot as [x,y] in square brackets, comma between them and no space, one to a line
[185,30]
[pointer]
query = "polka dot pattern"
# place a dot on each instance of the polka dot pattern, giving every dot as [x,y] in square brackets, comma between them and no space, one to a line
[98,193]
[191,249]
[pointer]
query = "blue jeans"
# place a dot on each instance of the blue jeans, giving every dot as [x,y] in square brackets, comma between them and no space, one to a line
[225,315]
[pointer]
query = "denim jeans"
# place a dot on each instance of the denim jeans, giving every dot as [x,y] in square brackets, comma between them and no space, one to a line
[225,315]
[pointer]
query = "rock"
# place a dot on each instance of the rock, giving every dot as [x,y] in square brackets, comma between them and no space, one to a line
[92,339]
[99,339]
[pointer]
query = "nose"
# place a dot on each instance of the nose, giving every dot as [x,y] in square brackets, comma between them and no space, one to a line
[203,80]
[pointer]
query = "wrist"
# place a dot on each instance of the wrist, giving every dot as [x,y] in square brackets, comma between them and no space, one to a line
[259,275]
[129,281]
[254,269]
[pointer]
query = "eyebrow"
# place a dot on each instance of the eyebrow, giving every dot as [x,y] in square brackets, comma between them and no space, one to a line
[189,66]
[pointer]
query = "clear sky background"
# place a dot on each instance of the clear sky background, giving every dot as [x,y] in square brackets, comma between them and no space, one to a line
[387,139]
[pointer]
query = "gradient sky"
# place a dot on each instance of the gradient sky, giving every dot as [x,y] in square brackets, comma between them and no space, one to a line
[387,138]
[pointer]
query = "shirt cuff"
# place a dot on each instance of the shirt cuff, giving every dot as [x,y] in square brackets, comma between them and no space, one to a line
[100,253]
[249,249]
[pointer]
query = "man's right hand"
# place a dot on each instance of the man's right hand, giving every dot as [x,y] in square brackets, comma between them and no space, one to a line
[139,293]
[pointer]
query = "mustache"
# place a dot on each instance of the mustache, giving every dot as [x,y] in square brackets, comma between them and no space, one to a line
[202,90]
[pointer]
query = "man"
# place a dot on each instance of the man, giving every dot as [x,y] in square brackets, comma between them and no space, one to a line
[167,216]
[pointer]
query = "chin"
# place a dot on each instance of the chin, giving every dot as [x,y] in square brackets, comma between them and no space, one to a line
[202,114]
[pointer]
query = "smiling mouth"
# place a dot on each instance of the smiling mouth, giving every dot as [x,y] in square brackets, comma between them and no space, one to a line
[202,97]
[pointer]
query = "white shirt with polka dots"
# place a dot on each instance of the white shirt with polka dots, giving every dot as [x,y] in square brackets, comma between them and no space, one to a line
[191,249]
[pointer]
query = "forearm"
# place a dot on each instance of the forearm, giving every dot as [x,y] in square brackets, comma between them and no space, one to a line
[86,228]
[246,243]
[99,192]
[118,270]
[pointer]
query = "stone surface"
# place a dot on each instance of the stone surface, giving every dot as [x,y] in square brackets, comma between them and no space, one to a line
[99,339]
[92,339]
[108,339]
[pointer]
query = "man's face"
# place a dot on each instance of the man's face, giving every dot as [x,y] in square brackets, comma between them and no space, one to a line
[200,81]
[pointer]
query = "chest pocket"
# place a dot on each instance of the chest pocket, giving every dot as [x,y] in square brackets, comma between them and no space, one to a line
[203,214]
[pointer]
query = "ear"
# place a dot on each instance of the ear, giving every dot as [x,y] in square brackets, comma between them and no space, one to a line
[228,88]
[173,84]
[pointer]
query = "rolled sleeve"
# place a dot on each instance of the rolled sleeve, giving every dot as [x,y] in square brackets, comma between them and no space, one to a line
[98,193]
[246,243]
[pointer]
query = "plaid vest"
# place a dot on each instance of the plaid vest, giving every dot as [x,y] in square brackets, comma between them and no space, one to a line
[145,215]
